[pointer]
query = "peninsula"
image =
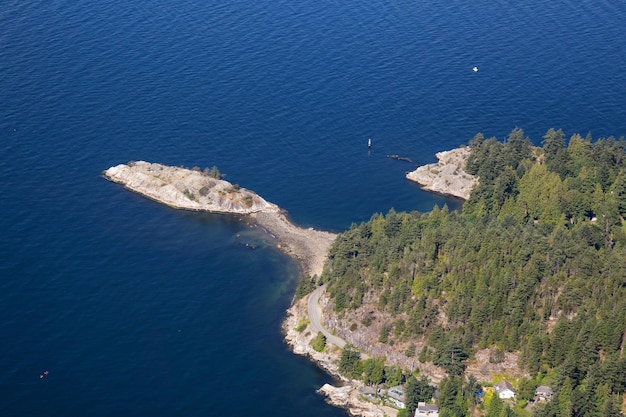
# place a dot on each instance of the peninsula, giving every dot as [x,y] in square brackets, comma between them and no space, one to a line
[203,190]
[448,175]
[464,297]
[193,189]
[196,190]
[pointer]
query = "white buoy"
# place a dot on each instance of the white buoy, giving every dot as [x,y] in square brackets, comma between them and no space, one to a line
[475,69]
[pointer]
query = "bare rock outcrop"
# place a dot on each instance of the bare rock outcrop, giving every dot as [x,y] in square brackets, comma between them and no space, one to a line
[349,397]
[187,189]
[448,175]
[484,369]
[191,189]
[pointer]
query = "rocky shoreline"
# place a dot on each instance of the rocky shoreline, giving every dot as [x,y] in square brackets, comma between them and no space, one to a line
[192,189]
[447,176]
[344,394]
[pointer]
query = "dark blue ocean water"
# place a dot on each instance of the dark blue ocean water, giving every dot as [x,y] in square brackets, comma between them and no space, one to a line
[139,309]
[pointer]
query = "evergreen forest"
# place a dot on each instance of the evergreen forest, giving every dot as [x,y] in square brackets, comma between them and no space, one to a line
[534,264]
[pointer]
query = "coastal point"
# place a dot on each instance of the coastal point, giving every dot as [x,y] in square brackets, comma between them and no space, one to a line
[447,176]
[204,190]
[196,190]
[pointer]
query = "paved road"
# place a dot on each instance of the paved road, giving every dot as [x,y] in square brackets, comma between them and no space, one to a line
[315,316]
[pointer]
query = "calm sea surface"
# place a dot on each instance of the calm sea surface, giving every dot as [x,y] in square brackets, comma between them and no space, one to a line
[136,309]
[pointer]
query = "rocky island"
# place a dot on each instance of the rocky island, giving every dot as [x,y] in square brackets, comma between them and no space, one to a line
[188,189]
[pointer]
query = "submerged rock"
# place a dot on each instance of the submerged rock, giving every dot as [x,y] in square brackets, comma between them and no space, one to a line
[399,158]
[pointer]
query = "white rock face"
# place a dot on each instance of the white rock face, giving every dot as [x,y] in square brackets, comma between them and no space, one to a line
[187,189]
[348,397]
[447,176]
[337,395]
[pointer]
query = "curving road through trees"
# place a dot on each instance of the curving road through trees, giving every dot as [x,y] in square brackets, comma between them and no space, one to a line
[315,316]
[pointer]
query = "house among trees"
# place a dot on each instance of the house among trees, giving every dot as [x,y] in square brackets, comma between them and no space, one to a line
[369,392]
[504,390]
[426,410]
[543,393]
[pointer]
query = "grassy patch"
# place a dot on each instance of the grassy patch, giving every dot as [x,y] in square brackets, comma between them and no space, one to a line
[302,324]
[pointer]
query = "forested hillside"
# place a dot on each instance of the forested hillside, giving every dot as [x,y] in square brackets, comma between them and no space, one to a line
[534,264]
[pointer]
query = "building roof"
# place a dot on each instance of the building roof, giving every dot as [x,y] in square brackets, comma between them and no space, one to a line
[543,389]
[504,385]
[427,408]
